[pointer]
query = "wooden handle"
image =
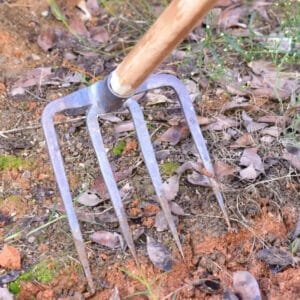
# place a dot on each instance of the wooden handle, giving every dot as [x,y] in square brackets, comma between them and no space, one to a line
[177,20]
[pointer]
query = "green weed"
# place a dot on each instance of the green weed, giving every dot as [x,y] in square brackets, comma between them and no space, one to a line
[218,51]
[150,291]
[168,168]
[295,246]
[44,272]
[8,162]
[59,15]
[119,148]
[57,12]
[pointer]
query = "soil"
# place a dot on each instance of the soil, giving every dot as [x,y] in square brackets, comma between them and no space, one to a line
[263,212]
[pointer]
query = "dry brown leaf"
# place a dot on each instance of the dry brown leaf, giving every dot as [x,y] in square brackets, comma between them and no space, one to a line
[176,209]
[124,127]
[175,134]
[204,120]
[277,259]
[47,39]
[250,157]
[110,117]
[250,125]
[89,198]
[273,119]
[193,89]
[10,258]
[222,169]
[108,239]
[272,131]
[249,173]
[171,187]
[192,165]
[161,223]
[37,76]
[236,104]
[293,159]
[83,11]
[153,98]
[230,16]
[93,7]
[99,185]
[198,179]
[77,26]
[162,154]
[179,130]
[159,255]
[99,34]
[246,286]
[243,141]
[222,122]
[267,81]
[137,233]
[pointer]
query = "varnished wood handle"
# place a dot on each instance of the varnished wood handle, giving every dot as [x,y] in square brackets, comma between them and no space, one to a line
[177,20]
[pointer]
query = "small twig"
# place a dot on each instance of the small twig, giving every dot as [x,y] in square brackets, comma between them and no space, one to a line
[270,180]
[222,270]
[46,225]
[37,126]
[35,96]
[176,291]
[17,234]
[13,130]
[13,236]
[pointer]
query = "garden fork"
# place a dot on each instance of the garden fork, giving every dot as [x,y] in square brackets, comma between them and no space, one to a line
[131,77]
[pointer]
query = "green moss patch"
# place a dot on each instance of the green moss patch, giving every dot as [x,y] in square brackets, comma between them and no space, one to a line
[44,272]
[11,162]
[168,168]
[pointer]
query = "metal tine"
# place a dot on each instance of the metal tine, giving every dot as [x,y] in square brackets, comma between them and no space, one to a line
[108,176]
[151,164]
[58,166]
[161,80]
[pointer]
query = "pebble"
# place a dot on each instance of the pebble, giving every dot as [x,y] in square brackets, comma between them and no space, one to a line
[26,174]
[45,13]
[31,239]
[35,56]
[17,91]
[267,139]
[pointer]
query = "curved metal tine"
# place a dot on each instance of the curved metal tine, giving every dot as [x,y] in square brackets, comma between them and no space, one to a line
[75,100]
[151,164]
[108,176]
[160,80]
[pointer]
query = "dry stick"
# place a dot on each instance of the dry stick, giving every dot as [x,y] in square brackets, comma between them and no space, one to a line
[270,180]
[176,291]
[37,126]
[17,234]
